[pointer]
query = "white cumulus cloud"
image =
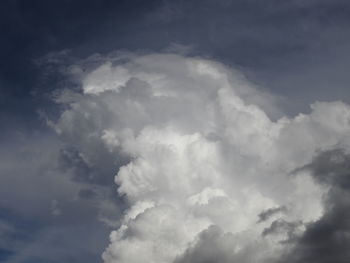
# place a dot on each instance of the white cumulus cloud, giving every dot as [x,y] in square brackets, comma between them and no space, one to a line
[205,158]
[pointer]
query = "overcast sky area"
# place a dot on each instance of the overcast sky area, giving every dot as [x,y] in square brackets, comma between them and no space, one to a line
[175,131]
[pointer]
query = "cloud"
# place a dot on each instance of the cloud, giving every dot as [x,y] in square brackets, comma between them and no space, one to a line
[203,169]
[327,239]
[46,214]
[265,215]
[214,245]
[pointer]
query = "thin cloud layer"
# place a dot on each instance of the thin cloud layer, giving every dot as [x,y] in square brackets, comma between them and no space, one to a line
[207,175]
[43,216]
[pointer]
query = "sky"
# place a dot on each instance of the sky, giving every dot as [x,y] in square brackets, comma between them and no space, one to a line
[174,131]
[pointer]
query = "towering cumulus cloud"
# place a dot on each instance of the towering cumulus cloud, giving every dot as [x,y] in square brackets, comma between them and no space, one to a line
[209,175]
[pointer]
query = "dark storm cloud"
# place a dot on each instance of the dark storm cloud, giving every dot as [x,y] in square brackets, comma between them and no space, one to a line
[332,168]
[328,239]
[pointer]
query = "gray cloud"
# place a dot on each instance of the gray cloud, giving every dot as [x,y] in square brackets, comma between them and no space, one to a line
[214,245]
[327,240]
[283,226]
[265,215]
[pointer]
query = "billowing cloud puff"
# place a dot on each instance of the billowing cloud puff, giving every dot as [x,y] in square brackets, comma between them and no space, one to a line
[208,174]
